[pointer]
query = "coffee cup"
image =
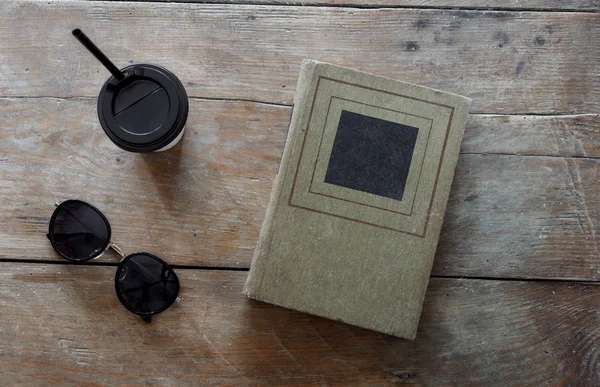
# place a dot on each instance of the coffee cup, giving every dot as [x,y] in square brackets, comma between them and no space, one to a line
[142,107]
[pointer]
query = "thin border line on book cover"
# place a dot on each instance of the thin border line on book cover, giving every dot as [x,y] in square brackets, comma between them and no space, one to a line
[452,109]
[355,202]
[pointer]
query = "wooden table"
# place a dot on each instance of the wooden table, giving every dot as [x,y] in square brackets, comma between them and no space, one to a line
[514,297]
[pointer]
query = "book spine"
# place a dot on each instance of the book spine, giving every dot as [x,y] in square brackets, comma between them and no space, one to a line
[261,253]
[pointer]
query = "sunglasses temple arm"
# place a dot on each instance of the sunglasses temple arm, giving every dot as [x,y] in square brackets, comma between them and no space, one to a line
[117,249]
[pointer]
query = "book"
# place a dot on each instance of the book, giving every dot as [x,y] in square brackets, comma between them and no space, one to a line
[357,205]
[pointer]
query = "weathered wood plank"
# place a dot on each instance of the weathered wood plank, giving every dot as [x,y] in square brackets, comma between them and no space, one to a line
[508,62]
[541,5]
[568,136]
[200,203]
[63,325]
[522,217]
[203,202]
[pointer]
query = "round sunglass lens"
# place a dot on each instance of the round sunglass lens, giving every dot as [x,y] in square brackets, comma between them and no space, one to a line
[145,284]
[79,231]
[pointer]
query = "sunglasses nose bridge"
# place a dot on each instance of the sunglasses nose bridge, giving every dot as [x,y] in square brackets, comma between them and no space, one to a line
[117,249]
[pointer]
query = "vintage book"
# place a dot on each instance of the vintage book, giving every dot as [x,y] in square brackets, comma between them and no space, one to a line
[357,206]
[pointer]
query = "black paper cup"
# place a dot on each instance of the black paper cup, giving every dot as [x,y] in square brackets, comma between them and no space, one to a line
[144,112]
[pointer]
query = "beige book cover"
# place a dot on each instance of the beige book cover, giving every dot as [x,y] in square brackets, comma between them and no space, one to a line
[357,206]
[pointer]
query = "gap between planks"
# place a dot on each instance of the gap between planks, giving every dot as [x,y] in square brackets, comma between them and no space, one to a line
[196,98]
[243,269]
[370,6]
[87,98]
[530,155]
[115,264]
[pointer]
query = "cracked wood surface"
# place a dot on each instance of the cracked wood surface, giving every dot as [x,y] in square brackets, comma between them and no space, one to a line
[74,332]
[525,203]
[536,5]
[530,211]
[507,62]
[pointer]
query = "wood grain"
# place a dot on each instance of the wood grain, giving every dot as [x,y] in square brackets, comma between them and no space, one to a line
[73,331]
[524,217]
[203,202]
[200,203]
[566,136]
[541,5]
[507,62]
[525,201]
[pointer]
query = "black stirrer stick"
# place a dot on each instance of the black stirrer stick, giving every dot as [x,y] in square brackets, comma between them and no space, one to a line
[87,43]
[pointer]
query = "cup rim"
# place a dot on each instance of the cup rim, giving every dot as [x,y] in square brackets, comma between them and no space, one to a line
[171,128]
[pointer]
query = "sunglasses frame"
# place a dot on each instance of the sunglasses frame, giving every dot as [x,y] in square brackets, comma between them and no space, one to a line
[147,316]
[109,244]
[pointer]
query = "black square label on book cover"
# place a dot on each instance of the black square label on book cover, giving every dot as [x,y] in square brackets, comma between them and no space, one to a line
[371,155]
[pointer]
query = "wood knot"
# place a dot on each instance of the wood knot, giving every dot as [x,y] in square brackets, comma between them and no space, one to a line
[402,376]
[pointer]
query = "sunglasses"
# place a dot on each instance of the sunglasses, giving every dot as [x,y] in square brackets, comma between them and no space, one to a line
[144,283]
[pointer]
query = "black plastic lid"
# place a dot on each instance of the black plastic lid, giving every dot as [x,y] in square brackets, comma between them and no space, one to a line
[145,111]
